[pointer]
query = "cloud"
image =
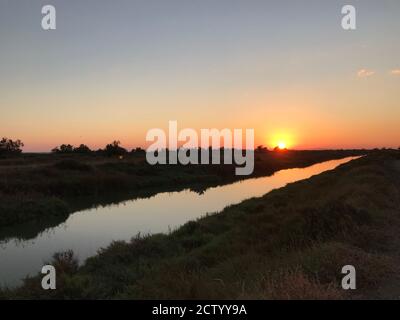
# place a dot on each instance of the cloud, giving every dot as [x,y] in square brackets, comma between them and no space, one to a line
[395,72]
[363,73]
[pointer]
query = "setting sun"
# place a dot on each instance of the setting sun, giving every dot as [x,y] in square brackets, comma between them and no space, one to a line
[282,145]
[282,139]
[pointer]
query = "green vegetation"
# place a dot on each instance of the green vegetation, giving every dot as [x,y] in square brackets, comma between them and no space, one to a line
[35,187]
[288,244]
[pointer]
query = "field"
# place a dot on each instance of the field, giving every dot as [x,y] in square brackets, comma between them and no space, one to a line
[45,188]
[289,244]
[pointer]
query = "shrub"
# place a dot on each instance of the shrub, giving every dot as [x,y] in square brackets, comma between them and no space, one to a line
[64,148]
[114,149]
[9,147]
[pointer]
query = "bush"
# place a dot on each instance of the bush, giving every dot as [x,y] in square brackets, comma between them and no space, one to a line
[114,149]
[10,147]
[82,149]
[64,148]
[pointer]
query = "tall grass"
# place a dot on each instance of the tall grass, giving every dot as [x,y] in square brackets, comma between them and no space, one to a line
[289,244]
[42,186]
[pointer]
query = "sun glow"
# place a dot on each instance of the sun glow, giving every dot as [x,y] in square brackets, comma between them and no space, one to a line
[281,145]
[281,140]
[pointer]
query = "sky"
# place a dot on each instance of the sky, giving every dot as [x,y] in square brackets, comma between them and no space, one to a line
[112,70]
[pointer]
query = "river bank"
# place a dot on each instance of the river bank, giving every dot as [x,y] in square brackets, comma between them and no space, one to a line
[23,252]
[289,244]
[39,187]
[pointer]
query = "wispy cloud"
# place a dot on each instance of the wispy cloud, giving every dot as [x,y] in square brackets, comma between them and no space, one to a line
[363,73]
[395,72]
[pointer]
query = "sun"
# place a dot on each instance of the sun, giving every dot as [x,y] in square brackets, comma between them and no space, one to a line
[281,141]
[281,145]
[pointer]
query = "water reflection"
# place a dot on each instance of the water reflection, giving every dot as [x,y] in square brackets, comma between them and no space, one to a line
[88,230]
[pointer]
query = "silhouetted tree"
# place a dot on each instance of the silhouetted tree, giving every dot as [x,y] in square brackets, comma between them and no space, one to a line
[82,149]
[138,150]
[279,149]
[114,149]
[261,149]
[9,147]
[64,148]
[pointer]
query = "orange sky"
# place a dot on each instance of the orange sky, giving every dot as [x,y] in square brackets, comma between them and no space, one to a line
[114,72]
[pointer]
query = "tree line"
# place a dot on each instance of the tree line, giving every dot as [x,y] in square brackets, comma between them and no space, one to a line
[14,147]
[111,149]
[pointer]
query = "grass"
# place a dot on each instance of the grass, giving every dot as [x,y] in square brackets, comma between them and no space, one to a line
[35,187]
[289,244]
[16,209]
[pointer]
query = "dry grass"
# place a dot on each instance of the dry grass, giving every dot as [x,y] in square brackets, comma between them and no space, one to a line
[290,244]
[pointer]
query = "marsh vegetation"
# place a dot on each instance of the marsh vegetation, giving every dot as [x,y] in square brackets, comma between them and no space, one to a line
[289,244]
